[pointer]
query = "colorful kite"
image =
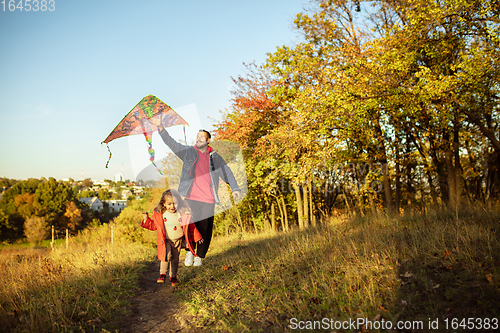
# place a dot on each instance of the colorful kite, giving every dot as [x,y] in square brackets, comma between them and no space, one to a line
[137,122]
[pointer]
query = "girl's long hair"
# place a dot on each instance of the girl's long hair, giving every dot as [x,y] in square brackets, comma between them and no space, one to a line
[182,206]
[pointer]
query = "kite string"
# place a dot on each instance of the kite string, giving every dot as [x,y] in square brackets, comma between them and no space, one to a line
[151,151]
[109,158]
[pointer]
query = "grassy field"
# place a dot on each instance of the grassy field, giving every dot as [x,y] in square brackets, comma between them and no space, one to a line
[376,271]
[380,272]
[68,290]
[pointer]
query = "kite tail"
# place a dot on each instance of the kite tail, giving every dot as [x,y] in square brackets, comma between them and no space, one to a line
[109,158]
[151,151]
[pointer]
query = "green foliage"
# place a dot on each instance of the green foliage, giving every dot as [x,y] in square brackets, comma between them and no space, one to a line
[104,194]
[27,186]
[87,194]
[6,183]
[127,226]
[33,197]
[54,195]
[87,182]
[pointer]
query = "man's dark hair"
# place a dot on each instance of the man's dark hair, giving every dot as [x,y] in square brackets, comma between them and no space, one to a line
[206,132]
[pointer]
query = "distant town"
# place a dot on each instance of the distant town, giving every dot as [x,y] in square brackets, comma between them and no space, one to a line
[98,195]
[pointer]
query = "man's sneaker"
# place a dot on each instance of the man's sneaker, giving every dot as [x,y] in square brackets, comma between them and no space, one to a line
[189,259]
[161,279]
[174,281]
[197,261]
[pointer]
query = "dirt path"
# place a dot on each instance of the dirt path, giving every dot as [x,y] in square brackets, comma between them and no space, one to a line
[154,308]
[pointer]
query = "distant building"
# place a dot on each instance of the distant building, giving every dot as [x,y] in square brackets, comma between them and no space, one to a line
[116,205]
[126,194]
[138,189]
[94,203]
[119,177]
[94,188]
[97,205]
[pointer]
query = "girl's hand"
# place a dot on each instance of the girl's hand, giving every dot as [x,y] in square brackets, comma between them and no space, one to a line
[200,241]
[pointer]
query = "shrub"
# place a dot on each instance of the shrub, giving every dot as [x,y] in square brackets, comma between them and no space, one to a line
[36,229]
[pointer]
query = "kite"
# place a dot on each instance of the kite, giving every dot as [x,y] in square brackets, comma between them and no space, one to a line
[137,122]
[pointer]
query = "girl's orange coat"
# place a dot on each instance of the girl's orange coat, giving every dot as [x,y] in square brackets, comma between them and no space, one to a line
[191,233]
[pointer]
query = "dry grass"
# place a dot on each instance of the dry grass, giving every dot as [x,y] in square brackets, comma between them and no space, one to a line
[391,269]
[74,289]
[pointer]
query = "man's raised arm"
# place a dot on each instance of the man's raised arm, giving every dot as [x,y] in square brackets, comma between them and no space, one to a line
[177,148]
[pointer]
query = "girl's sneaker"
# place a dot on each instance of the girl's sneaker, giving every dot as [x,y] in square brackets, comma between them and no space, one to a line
[161,279]
[174,281]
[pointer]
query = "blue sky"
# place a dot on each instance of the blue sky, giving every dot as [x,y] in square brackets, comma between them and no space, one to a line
[68,76]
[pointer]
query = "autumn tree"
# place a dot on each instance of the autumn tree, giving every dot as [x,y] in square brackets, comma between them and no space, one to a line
[34,198]
[12,220]
[36,229]
[387,105]
[74,215]
[382,96]
[250,119]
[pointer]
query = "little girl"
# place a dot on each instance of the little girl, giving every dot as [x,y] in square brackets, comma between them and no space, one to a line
[173,223]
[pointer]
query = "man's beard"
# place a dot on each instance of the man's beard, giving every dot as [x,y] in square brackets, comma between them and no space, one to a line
[201,145]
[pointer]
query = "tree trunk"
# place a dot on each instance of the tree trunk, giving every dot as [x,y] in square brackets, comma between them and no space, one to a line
[263,206]
[286,225]
[311,206]
[305,201]
[471,187]
[398,176]
[458,167]
[440,168]
[253,219]
[273,217]
[385,168]
[346,202]
[238,218]
[427,167]
[434,195]
[410,193]
[409,185]
[450,171]
[484,130]
[359,198]
[267,224]
[300,208]
[372,204]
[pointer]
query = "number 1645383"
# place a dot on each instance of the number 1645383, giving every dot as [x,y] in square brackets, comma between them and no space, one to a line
[28,5]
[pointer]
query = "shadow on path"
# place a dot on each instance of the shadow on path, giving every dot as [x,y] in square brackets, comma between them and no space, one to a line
[154,308]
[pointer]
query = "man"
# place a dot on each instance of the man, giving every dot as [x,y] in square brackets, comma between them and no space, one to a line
[199,184]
